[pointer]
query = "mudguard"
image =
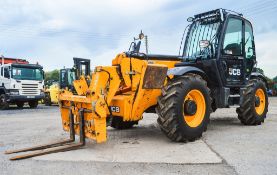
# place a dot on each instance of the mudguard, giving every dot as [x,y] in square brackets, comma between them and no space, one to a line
[183,70]
[260,76]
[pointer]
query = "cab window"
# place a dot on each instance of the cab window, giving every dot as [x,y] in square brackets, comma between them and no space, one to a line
[249,42]
[233,38]
[6,72]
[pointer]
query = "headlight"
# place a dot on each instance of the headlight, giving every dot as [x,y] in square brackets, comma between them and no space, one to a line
[14,92]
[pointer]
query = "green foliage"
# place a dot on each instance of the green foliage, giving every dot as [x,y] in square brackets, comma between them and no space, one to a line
[274,83]
[275,79]
[260,70]
[52,76]
[268,80]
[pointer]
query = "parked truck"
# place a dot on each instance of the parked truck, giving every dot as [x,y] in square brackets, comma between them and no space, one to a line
[20,82]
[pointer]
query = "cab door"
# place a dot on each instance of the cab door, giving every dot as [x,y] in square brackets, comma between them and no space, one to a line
[249,47]
[6,77]
[231,60]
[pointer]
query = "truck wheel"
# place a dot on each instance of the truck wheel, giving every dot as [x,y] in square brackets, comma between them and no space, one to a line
[3,102]
[254,106]
[33,104]
[118,123]
[20,104]
[47,99]
[184,108]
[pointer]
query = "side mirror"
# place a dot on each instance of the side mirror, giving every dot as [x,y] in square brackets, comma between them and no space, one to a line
[249,49]
[204,44]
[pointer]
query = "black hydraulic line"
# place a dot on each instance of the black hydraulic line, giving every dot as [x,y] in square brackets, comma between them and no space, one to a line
[82,126]
[71,125]
[109,82]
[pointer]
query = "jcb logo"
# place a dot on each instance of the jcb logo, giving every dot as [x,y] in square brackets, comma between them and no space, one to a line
[234,72]
[115,109]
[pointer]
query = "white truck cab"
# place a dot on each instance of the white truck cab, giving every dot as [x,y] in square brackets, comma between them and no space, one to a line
[20,82]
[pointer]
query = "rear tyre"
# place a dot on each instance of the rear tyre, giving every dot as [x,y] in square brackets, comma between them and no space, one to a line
[184,108]
[118,123]
[254,106]
[20,104]
[33,104]
[47,99]
[3,102]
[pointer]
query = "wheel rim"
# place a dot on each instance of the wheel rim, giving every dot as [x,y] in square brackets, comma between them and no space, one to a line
[196,119]
[261,106]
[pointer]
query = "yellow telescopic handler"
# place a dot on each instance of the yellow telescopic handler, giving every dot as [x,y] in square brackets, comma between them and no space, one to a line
[215,70]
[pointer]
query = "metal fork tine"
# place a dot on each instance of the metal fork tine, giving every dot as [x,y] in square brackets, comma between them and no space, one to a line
[48,151]
[55,144]
[58,146]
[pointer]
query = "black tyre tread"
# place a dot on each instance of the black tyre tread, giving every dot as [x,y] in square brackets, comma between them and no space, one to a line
[246,112]
[47,99]
[4,106]
[33,104]
[168,119]
[118,123]
[20,104]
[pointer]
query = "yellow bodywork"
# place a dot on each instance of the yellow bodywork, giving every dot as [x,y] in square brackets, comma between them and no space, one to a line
[53,90]
[114,89]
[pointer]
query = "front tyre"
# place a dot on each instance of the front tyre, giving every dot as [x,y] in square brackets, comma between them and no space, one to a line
[20,104]
[33,104]
[47,99]
[254,105]
[184,108]
[3,102]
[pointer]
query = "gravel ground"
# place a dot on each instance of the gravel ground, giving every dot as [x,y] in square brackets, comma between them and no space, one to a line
[226,148]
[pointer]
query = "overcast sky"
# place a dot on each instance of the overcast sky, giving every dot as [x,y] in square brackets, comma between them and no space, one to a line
[51,32]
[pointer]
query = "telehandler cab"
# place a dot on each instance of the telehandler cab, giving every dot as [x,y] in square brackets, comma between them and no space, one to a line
[215,70]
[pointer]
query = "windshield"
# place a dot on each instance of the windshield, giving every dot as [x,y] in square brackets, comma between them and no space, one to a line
[200,30]
[22,73]
[71,77]
[67,76]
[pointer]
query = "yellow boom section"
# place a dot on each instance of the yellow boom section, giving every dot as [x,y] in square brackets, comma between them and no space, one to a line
[126,90]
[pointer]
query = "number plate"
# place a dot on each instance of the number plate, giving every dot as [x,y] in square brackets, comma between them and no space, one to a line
[30,96]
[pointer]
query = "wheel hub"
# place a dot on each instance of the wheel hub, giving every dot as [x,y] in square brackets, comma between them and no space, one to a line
[190,107]
[257,101]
